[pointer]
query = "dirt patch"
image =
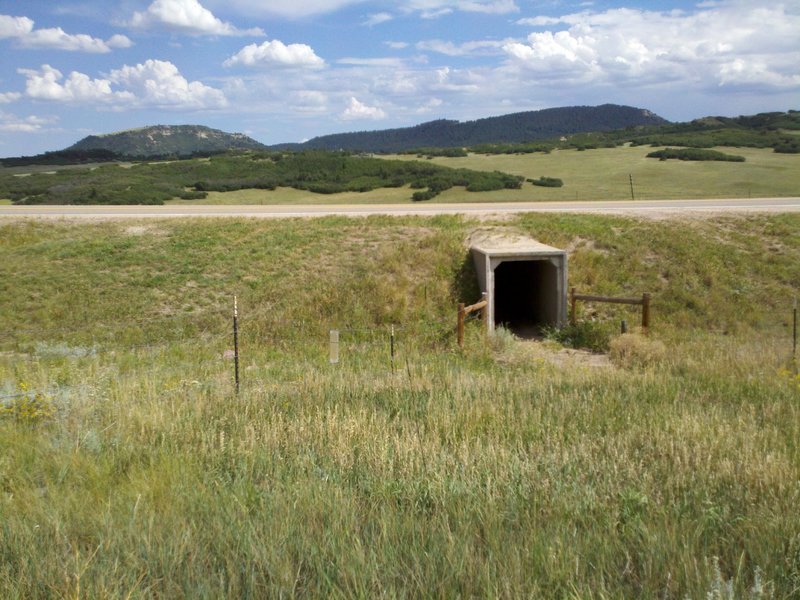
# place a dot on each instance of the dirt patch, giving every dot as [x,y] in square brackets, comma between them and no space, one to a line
[569,357]
[509,235]
[580,243]
[139,230]
[532,351]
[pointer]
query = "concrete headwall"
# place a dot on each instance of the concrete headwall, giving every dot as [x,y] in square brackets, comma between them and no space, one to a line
[530,290]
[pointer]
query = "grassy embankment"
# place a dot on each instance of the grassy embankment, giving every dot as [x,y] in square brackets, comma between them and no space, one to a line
[493,472]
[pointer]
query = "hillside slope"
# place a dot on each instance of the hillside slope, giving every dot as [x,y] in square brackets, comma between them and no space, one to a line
[165,140]
[516,127]
[405,469]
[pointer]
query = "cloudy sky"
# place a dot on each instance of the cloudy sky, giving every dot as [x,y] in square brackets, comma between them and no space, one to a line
[288,70]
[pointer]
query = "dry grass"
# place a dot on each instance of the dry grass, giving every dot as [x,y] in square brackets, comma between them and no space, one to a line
[491,472]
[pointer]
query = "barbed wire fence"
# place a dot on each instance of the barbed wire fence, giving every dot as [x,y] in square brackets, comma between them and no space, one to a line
[210,329]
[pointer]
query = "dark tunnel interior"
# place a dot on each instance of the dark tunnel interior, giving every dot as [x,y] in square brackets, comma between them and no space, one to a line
[526,296]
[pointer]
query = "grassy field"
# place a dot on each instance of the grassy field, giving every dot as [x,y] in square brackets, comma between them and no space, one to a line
[130,468]
[602,174]
[283,195]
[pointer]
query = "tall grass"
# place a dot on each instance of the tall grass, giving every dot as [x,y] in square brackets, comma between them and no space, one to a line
[488,472]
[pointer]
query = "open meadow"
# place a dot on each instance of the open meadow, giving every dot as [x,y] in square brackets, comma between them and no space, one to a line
[666,466]
[600,174]
[605,174]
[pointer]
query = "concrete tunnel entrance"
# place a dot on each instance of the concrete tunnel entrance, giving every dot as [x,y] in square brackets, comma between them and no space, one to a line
[524,299]
[525,283]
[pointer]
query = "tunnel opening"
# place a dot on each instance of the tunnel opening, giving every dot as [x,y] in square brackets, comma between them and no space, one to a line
[524,282]
[526,296]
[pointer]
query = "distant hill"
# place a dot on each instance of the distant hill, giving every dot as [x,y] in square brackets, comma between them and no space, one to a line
[166,140]
[776,130]
[513,128]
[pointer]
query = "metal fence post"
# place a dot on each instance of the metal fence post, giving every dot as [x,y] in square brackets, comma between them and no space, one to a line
[460,326]
[236,343]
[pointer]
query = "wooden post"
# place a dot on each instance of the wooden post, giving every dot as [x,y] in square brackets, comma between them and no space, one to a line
[460,326]
[572,306]
[630,178]
[485,313]
[236,343]
[794,330]
[333,347]
[645,312]
[391,348]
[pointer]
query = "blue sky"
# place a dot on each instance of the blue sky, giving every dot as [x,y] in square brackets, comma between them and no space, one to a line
[288,70]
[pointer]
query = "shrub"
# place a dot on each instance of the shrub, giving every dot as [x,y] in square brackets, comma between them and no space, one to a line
[587,335]
[788,147]
[501,339]
[632,350]
[547,182]
[27,406]
[426,195]
[694,154]
[440,184]
[326,188]
[195,195]
[484,185]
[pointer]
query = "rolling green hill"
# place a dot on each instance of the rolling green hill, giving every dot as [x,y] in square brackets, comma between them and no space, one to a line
[776,130]
[167,140]
[517,127]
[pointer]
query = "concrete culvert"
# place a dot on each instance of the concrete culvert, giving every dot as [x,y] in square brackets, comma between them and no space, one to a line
[525,282]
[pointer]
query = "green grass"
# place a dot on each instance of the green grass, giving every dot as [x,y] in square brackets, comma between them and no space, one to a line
[284,195]
[316,172]
[603,174]
[489,472]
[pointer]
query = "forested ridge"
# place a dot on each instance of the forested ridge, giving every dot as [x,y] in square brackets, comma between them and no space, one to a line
[516,127]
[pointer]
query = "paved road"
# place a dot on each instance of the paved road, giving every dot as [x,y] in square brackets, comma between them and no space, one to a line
[639,208]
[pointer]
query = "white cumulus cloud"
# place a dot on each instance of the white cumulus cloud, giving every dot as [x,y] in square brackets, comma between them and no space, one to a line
[726,43]
[15,27]
[358,111]
[187,16]
[292,9]
[159,83]
[14,124]
[276,54]
[7,97]
[22,30]
[152,84]
[49,84]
